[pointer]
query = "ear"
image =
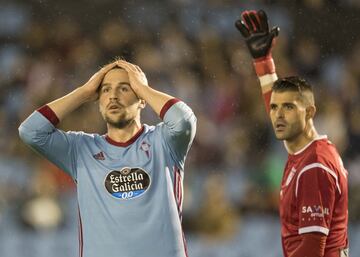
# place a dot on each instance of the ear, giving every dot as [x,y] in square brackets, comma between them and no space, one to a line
[142,104]
[310,112]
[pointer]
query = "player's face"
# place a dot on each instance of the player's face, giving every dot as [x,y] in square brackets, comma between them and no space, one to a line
[288,115]
[118,103]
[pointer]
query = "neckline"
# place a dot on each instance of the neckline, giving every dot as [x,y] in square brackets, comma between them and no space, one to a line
[321,137]
[128,142]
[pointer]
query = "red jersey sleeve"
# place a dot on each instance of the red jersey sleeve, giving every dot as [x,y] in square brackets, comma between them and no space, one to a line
[312,244]
[316,189]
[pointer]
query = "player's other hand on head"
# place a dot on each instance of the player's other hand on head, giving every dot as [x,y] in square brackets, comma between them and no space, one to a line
[137,77]
[90,88]
[254,27]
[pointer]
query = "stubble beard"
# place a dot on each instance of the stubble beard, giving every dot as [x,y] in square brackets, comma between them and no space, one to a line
[290,134]
[119,122]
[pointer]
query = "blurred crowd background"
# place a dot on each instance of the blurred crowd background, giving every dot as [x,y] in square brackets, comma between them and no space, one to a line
[189,49]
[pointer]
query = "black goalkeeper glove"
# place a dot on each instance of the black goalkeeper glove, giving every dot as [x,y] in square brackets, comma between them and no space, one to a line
[254,28]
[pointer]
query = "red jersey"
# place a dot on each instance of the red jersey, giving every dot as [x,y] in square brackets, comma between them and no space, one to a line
[314,198]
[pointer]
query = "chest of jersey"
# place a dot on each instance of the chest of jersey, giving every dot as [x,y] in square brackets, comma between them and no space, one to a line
[125,174]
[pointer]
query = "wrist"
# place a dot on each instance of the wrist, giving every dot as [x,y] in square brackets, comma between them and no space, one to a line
[141,90]
[267,79]
[264,65]
[85,95]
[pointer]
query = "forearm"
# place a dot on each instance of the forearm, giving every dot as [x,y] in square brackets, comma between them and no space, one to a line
[87,92]
[68,103]
[265,70]
[154,98]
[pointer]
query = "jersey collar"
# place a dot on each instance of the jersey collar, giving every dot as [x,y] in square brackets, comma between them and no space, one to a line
[127,143]
[321,137]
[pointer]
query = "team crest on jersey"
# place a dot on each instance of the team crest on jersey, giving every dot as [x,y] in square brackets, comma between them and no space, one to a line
[127,183]
[146,148]
[290,177]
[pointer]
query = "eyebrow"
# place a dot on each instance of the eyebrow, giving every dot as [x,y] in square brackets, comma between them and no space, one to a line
[109,84]
[282,104]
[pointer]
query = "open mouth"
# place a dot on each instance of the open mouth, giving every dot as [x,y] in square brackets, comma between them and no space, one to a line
[279,126]
[115,107]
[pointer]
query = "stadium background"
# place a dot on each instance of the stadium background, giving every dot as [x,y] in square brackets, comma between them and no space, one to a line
[192,50]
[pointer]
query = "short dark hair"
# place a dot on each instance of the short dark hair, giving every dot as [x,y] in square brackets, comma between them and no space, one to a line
[293,83]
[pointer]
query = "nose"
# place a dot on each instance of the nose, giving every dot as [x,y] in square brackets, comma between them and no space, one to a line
[113,95]
[279,113]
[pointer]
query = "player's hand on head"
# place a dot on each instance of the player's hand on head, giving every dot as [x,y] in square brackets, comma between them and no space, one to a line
[137,77]
[92,85]
[254,27]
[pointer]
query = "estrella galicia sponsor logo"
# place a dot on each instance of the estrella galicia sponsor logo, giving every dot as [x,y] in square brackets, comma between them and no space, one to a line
[127,183]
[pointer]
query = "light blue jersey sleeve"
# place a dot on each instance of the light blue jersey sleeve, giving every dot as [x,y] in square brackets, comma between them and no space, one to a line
[59,147]
[179,129]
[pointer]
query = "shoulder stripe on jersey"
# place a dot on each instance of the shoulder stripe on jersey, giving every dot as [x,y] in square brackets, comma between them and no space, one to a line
[316,165]
[314,229]
[178,189]
[175,186]
[81,245]
[178,192]
[342,169]
[184,241]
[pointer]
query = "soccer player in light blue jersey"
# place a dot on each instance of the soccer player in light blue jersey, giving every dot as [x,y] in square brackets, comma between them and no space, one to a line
[129,181]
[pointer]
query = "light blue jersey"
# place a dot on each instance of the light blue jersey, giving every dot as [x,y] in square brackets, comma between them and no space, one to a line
[130,195]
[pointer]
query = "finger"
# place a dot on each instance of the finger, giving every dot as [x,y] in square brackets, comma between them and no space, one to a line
[132,66]
[263,20]
[106,68]
[123,65]
[274,32]
[126,66]
[100,73]
[254,20]
[247,21]
[138,69]
[239,24]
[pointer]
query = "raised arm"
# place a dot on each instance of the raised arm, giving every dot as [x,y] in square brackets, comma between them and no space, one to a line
[39,129]
[88,92]
[139,84]
[179,120]
[259,39]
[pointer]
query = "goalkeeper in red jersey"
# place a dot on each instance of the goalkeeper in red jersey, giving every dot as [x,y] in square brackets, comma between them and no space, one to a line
[314,187]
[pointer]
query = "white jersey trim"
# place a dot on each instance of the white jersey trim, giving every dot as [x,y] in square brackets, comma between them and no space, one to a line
[314,229]
[316,165]
[306,146]
[267,79]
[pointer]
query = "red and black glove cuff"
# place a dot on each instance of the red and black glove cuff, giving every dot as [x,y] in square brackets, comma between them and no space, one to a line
[264,66]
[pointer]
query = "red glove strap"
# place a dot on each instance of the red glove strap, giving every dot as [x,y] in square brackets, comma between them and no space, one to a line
[264,66]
